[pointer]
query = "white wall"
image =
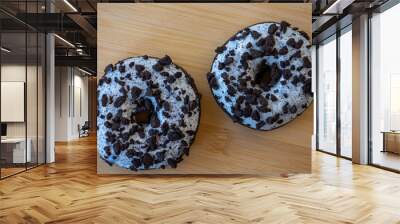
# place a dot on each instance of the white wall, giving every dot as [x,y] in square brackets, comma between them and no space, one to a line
[80,110]
[70,83]
[61,115]
[12,73]
[33,127]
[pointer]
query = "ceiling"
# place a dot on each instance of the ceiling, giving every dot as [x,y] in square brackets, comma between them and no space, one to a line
[75,22]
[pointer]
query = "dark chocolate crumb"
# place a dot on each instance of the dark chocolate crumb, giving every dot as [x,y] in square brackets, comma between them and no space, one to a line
[291,42]
[255,34]
[154,122]
[293,109]
[166,60]
[306,62]
[304,34]
[139,68]
[135,92]
[285,108]
[177,75]
[255,115]
[272,29]
[284,26]
[283,51]
[247,111]
[273,98]
[256,53]
[228,60]
[287,74]
[171,79]
[104,100]
[146,75]
[174,135]
[269,41]
[109,68]
[297,54]
[260,124]
[172,163]
[119,101]
[219,50]
[262,100]
[165,74]
[299,44]
[147,160]
[221,66]
[231,91]
[260,42]
[157,67]
[122,68]
[166,106]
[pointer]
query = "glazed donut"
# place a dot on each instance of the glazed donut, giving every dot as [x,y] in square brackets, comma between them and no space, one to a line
[148,113]
[261,77]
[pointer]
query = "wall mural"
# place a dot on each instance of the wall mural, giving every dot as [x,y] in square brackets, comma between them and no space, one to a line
[252,70]
[149,108]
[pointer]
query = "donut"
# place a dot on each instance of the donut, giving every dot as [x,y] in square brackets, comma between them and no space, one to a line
[148,113]
[261,76]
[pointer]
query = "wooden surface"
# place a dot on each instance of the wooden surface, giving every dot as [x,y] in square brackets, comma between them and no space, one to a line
[392,142]
[92,101]
[189,33]
[70,191]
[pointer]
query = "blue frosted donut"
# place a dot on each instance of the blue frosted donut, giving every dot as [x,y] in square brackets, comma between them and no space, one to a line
[261,77]
[148,113]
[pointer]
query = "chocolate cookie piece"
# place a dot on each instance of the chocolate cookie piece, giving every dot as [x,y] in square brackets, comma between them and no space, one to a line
[140,121]
[266,84]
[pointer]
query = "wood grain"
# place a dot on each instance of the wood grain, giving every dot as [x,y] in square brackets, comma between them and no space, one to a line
[393,143]
[189,33]
[92,107]
[70,191]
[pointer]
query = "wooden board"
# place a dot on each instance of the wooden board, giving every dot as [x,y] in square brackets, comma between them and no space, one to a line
[393,142]
[189,33]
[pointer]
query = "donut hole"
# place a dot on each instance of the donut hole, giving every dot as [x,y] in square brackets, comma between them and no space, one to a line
[266,75]
[144,112]
[263,75]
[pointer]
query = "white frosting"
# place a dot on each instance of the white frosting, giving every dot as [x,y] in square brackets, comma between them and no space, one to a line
[295,94]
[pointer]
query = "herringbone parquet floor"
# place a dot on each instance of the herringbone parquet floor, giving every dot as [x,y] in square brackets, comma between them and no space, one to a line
[69,191]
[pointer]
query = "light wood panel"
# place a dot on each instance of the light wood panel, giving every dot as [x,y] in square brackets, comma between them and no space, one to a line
[189,33]
[70,191]
[92,100]
[393,143]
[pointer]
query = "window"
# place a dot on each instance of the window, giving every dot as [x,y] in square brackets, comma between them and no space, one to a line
[346,92]
[385,90]
[327,96]
[334,94]
[22,101]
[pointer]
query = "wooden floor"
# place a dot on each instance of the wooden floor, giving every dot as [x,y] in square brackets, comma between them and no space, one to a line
[10,171]
[69,191]
[387,159]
